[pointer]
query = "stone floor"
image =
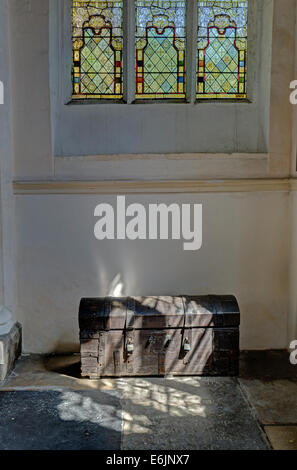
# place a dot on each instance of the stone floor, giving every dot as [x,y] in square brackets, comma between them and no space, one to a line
[256,411]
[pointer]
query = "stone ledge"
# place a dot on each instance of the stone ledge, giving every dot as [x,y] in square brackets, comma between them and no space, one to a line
[10,349]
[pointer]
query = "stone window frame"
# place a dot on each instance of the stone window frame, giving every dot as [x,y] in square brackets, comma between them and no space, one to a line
[271,161]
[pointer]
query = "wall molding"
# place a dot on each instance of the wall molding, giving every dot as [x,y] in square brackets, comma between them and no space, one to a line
[154,187]
[72,159]
[293,184]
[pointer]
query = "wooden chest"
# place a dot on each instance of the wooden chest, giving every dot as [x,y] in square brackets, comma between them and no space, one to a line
[139,336]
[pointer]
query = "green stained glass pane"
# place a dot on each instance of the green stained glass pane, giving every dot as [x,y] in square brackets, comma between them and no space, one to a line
[97,38]
[160,49]
[222,49]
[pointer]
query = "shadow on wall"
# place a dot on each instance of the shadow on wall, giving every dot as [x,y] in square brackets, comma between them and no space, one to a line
[115,289]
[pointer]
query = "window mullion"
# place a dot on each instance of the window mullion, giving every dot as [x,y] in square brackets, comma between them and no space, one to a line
[129,50]
[191,63]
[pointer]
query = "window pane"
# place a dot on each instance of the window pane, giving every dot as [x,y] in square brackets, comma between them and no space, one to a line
[222,49]
[97,50]
[160,49]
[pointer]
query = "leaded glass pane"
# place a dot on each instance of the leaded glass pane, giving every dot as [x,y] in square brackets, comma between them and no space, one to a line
[222,49]
[97,49]
[160,49]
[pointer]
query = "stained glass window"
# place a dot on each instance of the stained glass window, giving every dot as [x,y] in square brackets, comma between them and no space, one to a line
[222,49]
[97,49]
[160,49]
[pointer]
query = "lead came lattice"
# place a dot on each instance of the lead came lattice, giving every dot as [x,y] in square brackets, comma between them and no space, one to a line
[222,49]
[160,49]
[97,49]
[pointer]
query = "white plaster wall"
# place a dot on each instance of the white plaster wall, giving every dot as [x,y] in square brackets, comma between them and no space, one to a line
[245,252]
[7,214]
[246,236]
[29,44]
[292,317]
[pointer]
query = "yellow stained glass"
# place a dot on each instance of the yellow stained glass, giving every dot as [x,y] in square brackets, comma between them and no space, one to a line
[222,49]
[160,49]
[97,49]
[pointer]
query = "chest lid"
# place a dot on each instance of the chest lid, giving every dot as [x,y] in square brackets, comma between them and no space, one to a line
[102,313]
[211,311]
[158,312]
